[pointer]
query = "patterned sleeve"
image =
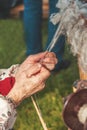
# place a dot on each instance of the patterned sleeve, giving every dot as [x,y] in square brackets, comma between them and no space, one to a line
[7,114]
[7,111]
[7,79]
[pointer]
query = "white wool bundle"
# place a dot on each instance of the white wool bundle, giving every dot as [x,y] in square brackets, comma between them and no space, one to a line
[74,23]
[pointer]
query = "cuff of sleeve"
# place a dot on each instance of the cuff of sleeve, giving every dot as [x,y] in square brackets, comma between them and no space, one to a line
[7,113]
[11,102]
[7,102]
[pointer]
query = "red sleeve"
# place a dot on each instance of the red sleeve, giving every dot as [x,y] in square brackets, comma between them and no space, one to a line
[6,85]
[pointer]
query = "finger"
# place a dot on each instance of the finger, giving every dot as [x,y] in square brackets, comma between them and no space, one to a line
[31,60]
[33,70]
[50,54]
[49,66]
[49,63]
[43,75]
[36,57]
[48,60]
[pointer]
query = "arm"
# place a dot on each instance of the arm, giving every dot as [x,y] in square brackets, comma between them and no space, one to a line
[32,73]
[29,79]
[7,114]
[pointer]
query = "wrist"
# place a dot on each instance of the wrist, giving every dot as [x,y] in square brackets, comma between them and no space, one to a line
[13,99]
[11,102]
[14,96]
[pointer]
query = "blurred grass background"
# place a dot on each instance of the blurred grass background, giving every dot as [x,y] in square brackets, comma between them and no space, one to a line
[12,51]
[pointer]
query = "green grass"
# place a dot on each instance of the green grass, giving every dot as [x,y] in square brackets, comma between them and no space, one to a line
[12,51]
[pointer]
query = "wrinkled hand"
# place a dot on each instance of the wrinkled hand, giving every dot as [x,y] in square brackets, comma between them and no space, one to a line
[31,75]
[47,59]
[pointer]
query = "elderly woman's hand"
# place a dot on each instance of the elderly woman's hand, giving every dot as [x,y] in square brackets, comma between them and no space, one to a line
[31,75]
[47,59]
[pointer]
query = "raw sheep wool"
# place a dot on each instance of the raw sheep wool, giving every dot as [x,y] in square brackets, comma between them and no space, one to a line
[73,20]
